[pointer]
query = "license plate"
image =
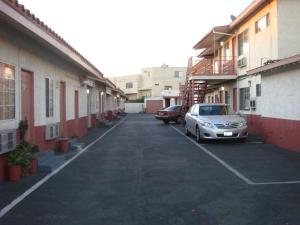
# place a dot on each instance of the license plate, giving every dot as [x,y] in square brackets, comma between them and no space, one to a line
[227,134]
[161,113]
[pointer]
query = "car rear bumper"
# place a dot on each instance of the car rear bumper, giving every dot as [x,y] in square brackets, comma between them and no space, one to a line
[212,133]
[168,118]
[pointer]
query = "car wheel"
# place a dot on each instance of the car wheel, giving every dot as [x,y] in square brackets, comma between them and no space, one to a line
[178,120]
[166,122]
[198,137]
[187,133]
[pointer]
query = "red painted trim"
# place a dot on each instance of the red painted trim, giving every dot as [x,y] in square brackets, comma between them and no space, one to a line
[27,102]
[3,168]
[94,120]
[109,115]
[254,123]
[70,130]
[281,132]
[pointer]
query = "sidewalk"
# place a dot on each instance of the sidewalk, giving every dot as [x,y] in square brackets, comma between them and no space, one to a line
[49,161]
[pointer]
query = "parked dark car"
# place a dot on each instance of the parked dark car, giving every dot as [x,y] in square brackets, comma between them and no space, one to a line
[172,113]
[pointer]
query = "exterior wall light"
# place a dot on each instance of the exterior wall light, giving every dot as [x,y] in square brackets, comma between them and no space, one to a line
[102,93]
[88,91]
[222,88]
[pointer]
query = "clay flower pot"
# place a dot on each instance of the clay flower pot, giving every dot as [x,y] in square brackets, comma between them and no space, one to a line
[14,172]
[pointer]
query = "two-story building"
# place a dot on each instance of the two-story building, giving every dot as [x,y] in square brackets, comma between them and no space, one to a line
[263,34]
[158,87]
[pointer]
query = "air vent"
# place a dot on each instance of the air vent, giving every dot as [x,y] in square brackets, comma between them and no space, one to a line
[7,140]
[242,62]
[52,131]
[253,104]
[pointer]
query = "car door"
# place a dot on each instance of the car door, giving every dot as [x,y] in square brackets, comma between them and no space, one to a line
[188,118]
[194,117]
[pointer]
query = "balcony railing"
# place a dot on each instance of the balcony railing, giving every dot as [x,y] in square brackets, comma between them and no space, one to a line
[209,66]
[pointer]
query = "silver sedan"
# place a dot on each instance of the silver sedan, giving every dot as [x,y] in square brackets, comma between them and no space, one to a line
[214,121]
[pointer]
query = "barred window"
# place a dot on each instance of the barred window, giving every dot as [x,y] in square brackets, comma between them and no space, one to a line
[7,92]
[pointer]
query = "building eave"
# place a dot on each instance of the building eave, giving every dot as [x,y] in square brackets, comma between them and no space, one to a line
[276,65]
[244,15]
[33,25]
[211,36]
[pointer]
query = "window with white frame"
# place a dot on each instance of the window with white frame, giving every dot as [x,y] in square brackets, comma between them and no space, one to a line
[262,23]
[243,43]
[227,98]
[129,85]
[49,89]
[7,92]
[226,51]
[178,74]
[245,98]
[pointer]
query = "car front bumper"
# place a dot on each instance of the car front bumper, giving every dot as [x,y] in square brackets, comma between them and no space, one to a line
[214,133]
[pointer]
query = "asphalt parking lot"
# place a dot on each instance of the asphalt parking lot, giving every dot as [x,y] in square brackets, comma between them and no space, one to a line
[143,172]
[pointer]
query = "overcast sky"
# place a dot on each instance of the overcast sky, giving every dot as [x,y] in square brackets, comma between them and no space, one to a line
[122,36]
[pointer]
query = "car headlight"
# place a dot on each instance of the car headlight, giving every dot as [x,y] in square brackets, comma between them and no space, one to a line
[207,124]
[242,124]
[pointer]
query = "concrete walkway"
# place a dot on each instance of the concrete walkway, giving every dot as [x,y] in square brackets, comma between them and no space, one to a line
[48,161]
[146,173]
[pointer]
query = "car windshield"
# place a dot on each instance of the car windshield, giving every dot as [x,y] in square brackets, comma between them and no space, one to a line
[213,110]
[173,108]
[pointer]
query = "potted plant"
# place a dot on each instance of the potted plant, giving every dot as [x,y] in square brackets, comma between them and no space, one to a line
[14,160]
[33,158]
[24,149]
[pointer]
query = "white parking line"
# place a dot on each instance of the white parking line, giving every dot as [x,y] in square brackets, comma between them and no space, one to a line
[226,165]
[277,182]
[231,169]
[46,178]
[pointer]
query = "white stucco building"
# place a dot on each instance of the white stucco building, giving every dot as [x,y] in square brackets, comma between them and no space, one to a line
[263,34]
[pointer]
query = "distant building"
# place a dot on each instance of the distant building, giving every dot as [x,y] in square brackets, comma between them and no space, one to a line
[159,83]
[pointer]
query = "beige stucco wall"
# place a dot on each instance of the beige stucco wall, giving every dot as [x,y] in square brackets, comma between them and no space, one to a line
[151,81]
[163,76]
[263,45]
[280,94]
[288,28]
[32,57]
[122,80]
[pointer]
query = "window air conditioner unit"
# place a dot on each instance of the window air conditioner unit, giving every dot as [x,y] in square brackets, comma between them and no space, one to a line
[7,140]
[253,104]
[52,131]
[242,62]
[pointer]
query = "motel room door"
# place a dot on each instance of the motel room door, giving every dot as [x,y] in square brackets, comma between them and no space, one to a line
[76,114]
[63,109]
[27,102]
